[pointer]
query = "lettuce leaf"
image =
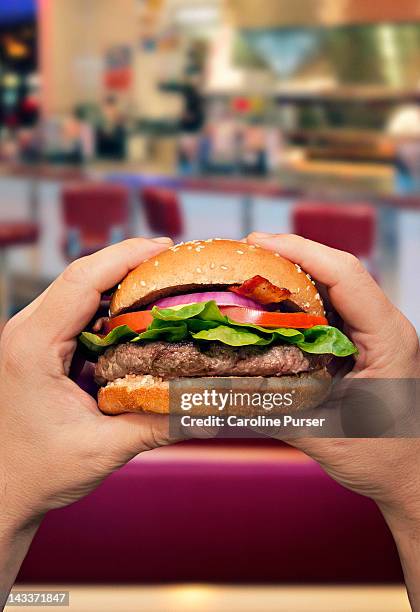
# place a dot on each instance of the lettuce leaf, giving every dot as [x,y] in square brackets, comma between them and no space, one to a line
[231,336]
[323,339]
[206,311]
[204,322]
[95,344]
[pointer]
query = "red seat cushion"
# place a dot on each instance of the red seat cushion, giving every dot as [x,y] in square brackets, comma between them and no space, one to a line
[15,233]
[348,227]
[94,211]
[163,211]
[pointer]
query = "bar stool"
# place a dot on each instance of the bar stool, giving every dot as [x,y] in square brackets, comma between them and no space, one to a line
[12,234]
[163,211]
[95,216]
[348,227]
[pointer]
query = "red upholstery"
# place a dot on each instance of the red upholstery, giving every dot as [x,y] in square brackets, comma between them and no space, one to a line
[163,211]
[94,210]
[15,233]
[216,513]
[349,227]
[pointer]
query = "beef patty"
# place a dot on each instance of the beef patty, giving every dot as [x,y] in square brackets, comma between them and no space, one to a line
[188,359]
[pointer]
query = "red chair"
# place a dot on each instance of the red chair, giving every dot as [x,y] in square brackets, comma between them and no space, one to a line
[348,227]
[163,211]
[95,215]
[12,234]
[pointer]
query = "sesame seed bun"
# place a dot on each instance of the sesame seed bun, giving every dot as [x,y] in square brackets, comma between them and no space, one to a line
[202,264]
[149,394]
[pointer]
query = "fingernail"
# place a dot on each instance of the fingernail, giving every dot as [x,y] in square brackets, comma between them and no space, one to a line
[163,240]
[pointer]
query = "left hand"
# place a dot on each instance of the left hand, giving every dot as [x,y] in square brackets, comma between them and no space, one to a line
[56,446]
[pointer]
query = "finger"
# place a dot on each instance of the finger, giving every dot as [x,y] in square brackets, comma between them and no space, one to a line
[72,300]
[135,433]
[353,292]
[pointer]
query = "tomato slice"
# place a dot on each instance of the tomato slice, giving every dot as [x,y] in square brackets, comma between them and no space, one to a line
[140,321]
[137,321]
[296,320]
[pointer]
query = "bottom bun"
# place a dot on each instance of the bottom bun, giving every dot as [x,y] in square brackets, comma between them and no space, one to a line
[135,394]
[150,394]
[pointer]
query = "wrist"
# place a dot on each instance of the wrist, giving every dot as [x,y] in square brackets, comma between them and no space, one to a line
[406,533]
[20,506]
[15,539]
[13,528]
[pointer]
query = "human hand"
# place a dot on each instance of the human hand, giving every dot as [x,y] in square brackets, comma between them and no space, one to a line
[387,470]
[55,444]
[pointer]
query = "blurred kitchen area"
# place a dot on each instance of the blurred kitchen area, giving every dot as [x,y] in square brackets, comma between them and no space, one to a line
[206,118]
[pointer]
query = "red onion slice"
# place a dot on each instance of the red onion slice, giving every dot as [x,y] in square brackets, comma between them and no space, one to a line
[222,298]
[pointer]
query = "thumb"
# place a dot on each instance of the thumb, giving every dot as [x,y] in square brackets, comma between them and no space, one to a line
[135,433]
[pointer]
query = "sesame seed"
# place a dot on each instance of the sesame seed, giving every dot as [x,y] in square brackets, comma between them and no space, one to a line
[307,305]
[276,254]
[199,270]
[224,267]
[240,252]
[189,248]
[212,266]
[119,286]
[156,263]
[252,246]
[142,283]
[298,268]
[199,248]
[308,277]
[318,297]
[307,288]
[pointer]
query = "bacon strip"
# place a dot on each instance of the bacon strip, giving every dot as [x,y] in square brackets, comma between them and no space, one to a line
[261,290]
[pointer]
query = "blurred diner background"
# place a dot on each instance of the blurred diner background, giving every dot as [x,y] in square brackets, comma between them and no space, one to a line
[197,119]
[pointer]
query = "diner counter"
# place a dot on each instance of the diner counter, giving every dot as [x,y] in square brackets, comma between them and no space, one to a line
[376,179]
[308,179]
[244,203]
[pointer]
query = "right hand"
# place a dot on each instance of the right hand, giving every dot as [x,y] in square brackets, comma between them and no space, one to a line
[387,470]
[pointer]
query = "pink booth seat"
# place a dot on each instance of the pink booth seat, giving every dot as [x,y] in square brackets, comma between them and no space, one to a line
[216,512]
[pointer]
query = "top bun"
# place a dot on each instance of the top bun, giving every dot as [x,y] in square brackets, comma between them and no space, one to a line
[202,264]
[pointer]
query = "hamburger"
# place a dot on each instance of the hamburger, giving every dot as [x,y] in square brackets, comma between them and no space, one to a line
[211,308]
